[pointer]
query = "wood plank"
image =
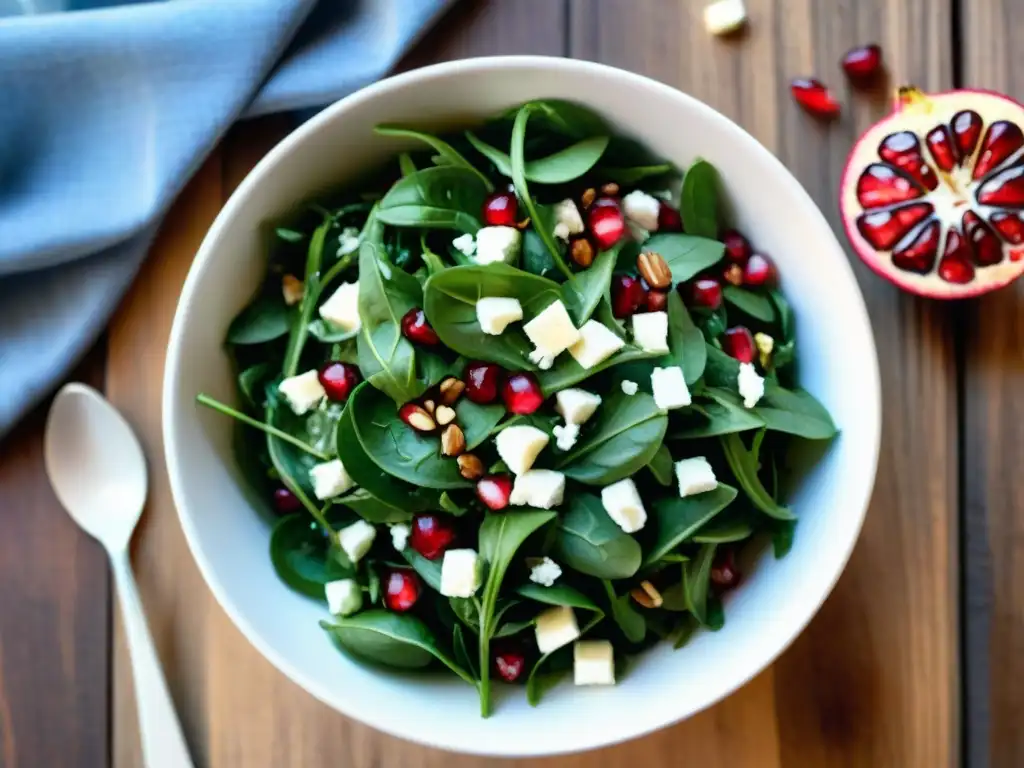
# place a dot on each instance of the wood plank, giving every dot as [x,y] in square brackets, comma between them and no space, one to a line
[873,679]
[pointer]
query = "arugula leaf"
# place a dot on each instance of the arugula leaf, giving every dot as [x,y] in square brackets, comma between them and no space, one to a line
[300,553]
[685,341]
[446,153]
[744,466]
[686,255]
[698,202]
[443,197]
[589,541]
[754,304]
[675,520]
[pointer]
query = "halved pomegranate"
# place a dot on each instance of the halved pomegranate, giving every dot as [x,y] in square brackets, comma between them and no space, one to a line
[932,197]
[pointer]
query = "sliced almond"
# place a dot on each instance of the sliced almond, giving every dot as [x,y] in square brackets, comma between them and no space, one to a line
[453,442]
[428,406]
[470,466]
[444,415]
[451,389]
[646,595]
[417,417]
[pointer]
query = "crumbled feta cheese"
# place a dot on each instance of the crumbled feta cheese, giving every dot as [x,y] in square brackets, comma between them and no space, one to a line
[344,597]
[566,437]
[465,244]
[629,387]
[576,405]
[348,241]
[519,445]
[750,384]
[724,16]
[342,308]
[567,219]
[541,360]
[303,392]
[765,347]
[330,479]
[669,388]
[695,476]
[292,289]
[642,210]
[356,539]
[552,331]
[497,244]
[623,504]
[596,345]
[545,573]
[460,573]
[400,536]
[650,331]
[495,313]
[593,662]
[556,627]
[541,488]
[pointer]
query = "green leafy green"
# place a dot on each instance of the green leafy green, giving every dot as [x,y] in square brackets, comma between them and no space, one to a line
[756,305]
[443,197]
[661,465]
[697,581]
[675,520]
[625,615]
[685,341]
[590,542]
[566,371]
[446,153]
[582,295]
[559,168]
[686,255]
[722,415]
[698,201]
[743,464]
[795,412]
[302,558]
[267,318]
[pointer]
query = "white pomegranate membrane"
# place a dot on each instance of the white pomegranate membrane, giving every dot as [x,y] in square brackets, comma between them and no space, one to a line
[932,196]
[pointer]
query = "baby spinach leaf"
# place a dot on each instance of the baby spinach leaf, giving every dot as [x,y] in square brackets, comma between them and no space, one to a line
[795,412]
[754,304]
[558,594]
[429,570]
[685,341]
[444,197]
[625,615]
[698,202]
[787,322]
[782,537]
[446,153]
[462,656]
[448,504]
[721,370]
[675,520]
[325,333]
[467,611]
[301,557]
[566,371]
[625,438]
[291,462]
[499,159]
[683,633]
[450,304]
[314,284]
[568,118]
[725,414]
[697,582]
[582,295]
[477,421]
[289,235]
[686,255]
[744,466]
[536,258]
[252,383]
[661,465]
[559,168]
[372,509]
[265,319]
[590,542]
[732,525]
[406,164]
[630,175]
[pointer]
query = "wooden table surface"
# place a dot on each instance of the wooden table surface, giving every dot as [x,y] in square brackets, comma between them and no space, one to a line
[915,661]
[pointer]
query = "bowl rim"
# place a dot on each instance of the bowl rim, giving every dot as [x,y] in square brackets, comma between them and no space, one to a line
[348,706]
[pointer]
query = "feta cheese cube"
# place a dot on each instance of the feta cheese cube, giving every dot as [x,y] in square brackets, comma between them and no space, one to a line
[552,331]
[593,662]
[356,539]
[642,210]
[750,384]
[629,387]
[400,536]
[567,220]
[541,360]
[303,392]
[596,345]
[576,405]
[650,331]
[497,244]
[540,488]
[344,597]
[465,244]
[623,504]
[545,572]
[556,627]
[494,314]
[342,308]
[695,476]
[460,573]
[669,388]
[330,479]
[519,445]
[765,347]
[566,437]
[724,17]
[348,241]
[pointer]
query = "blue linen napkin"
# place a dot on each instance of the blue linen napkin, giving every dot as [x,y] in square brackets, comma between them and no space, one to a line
[105,114]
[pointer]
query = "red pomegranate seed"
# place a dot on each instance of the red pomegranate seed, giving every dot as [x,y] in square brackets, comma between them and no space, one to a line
[1004,189]
[509,663]
[759,271]
[956,271]
[738,342]
[1002,139]
[522,394]
[966,127]
[607,222]
[1010,226]
[737,248]
[863,62]
[285,501]
[431,535]
[656,301]
[724,573]
[813,96]
[339,379]
[501,209]
[669,219]
[988,249]
[494,491]
[401,590]
[482,381]
[920,253]
[883,229]
[879,185]
[940,144]
[628,295]
[903,149]
[417,330]
[706,293]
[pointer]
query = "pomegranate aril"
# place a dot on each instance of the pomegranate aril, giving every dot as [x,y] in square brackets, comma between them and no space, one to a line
[883,229]
[401,590]
[759,271]
[482,381]
[918,251]
[955,266]
[813,96]
[501,210]
[903,149]
[607,222]
[285,501]
[940,144]
[494,491]
[339,379]
[628,295]
[416,328]
[509,663]
[656,301]
[1002,139]
[431,535]
[987,248]
[1010,226]
[1004,189]
[881,185]
[724,573]
[966,127]
[706,293]
[738,343]
[863,62]
[669,219]
[522,393]
[737,248]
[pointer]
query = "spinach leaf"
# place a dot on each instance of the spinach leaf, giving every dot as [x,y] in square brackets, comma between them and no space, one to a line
[536,259]
[477,421]
[448,504]
[795,412]
[630,175]
[406,164]
[325,333]
[372,509]
[252,383]
[685,341]
[444,197]
[744,466]
[787,322]
[265,319]
[782,537]
[754,304]
[499,159]
[558,594]
[721,370]
[566,371]
[559,168]
[446,153]
[683,633]
[625,615]
[292,463]
[428,570]
[450,305]
[289,235]
[582,295]
[686,255]
[625,438]
[697,582]
[661,465]
[568,118]
[698,202]
[725,414]
[590,542]
[462,656]
[675,520]
[731,526]
[301,557]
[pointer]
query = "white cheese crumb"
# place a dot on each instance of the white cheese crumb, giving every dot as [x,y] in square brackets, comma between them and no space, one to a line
[348,241]
[566,437]
[494,313]
[400,536]
[650,331]
[460,573]
[342,308]
[556,627]
[552,331]
[541,360]
[596,344]
[356,539]
[750,384]
[303,392]
[497,244]
[546,572]
[623,504]
[540,488]
[642,209]
[344,597]
[576,405]
[330,479]
[519,445]
[593,662]
[567,219]
[669,388]
[629,387]
[465,244]
[695,476]
[724,17]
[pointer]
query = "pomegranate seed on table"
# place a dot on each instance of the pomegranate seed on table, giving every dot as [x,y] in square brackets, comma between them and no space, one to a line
[669,219]
[501,209]
[509,663]
[417,330]
[494,491]
[738,342]
[339,379]
[431,535]
[607,222]
[401,590]
[737,247]
[285,501]
[706,293]
[863,62]
[758,271]
[724,573]
[522,394]
[814,97]
[482,380]
[628,295]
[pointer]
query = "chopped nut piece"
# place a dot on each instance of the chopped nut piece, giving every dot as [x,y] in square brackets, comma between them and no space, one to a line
[292,289]
[647,595]
[428,406]
[582,252]
[453,442]
[451,389]
[654,269]
[588,197]
[734,274]
[470,466]
[417,417]
[444,414]
[611,188]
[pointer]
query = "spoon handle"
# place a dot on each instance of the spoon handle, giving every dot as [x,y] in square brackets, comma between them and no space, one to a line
[163,744]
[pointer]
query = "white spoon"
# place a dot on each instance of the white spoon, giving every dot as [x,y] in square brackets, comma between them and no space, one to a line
[98,472]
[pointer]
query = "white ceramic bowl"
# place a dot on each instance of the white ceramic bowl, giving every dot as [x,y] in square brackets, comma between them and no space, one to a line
[838,364]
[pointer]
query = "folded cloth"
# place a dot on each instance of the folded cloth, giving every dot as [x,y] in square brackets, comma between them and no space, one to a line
[105,114]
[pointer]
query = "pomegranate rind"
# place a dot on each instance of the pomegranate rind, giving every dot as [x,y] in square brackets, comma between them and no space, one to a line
[939,108]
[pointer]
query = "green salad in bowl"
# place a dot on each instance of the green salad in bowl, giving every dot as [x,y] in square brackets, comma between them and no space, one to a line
[520,400]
